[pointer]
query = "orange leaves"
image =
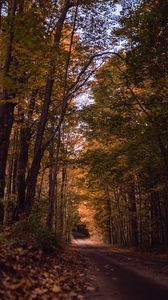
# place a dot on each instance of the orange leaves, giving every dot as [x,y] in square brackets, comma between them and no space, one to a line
[56,289]
[28,273]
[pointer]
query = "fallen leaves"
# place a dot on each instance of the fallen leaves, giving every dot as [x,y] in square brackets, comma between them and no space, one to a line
[28,273]
[90,289]
[56,289]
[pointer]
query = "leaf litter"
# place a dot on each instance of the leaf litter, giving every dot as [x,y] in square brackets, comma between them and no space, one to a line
[29,273]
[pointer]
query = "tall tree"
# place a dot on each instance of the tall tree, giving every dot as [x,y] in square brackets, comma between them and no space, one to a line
[7,103]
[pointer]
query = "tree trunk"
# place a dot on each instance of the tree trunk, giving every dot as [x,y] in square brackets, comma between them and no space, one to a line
[62,199]
[52,185]
[133,212]
[109,223]
[31,183]
[6,107]
[15,161]
[38,149]
[1,3]
[164,155]
[24,143]
[21,170]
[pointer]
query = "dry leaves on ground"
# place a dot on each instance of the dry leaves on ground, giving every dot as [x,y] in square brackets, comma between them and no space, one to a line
[28,273]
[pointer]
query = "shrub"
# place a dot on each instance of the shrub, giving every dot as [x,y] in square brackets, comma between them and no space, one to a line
[32,229]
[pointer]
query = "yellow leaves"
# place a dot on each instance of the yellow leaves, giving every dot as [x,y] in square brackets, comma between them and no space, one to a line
[80,297]
[56,289]
[17,285]
[38,291]
[90,289]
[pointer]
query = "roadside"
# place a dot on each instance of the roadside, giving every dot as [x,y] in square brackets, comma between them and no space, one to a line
[84,270]
[27,272]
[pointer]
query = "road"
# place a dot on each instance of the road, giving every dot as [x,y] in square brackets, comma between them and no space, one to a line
[121,277]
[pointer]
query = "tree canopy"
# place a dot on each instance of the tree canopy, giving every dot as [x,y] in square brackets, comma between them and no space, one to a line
[58,154]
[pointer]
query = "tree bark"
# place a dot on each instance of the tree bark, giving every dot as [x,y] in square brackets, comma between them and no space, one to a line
[1,3]
[24,143]
[62,199]
[52,186]
[109,223]
[133,212]
[38,149]
[6,107]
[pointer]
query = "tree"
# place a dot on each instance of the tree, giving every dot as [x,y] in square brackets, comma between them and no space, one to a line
[123,137]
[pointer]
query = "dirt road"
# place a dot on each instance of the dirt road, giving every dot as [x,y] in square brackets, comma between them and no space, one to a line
[118,276]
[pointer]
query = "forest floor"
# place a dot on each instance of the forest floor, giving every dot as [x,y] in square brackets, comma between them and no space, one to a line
[84,270]
[27,272]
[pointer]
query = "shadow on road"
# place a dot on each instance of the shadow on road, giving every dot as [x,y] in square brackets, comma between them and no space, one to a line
[121,277]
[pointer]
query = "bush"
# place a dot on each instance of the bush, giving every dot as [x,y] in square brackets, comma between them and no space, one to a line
[46,239]
[2,239]
[31,229]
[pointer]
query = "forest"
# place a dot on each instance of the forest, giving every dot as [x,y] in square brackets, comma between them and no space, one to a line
[83,127]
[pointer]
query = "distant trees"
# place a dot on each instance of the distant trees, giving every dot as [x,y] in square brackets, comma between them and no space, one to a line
[127,132]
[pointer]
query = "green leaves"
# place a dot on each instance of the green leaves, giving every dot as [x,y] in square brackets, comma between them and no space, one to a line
[126,126]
